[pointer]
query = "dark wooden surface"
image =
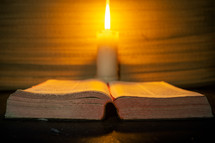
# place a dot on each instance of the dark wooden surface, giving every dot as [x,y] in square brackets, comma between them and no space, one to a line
[109,130]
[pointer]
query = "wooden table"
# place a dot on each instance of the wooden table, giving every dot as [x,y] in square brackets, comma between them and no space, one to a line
[110,130]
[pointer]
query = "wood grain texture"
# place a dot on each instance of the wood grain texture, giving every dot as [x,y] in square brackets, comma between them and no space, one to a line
[166,40]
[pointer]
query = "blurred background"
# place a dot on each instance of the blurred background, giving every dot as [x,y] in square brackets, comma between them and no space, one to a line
[167,40]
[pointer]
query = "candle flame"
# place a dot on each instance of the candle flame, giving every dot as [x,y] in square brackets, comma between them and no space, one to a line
[107,15]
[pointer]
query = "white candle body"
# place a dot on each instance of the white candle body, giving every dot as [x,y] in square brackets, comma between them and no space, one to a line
[107,61]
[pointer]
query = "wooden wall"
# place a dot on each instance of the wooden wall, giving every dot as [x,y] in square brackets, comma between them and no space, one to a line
[171,40]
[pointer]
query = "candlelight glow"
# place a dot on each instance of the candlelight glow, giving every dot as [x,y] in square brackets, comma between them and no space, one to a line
[107,15]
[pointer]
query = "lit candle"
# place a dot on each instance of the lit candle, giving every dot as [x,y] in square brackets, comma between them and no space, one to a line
[107,61]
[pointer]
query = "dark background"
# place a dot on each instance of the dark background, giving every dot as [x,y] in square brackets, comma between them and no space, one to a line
[168,40]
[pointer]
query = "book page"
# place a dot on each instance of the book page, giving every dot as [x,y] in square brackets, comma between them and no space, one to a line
[69,86]
[148,89]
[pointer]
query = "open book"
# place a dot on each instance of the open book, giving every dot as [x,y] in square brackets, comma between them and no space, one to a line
[86,99]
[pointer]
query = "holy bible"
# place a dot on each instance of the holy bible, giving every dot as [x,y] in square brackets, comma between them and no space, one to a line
[86,99]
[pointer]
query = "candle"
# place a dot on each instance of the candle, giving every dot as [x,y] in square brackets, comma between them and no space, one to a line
[107,61]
